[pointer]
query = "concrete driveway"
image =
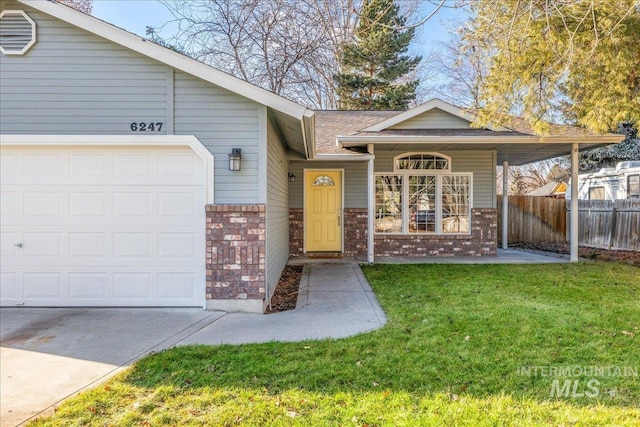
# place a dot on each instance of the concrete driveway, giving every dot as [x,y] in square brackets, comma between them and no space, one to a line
[47,355]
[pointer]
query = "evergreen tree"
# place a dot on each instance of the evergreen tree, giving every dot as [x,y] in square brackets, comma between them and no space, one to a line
[375,66]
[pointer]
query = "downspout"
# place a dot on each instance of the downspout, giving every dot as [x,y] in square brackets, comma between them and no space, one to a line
[372,207]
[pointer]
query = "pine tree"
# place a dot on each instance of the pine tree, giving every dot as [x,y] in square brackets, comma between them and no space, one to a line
[375,66]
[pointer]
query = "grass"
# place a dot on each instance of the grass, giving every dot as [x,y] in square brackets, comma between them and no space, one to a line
[450,355]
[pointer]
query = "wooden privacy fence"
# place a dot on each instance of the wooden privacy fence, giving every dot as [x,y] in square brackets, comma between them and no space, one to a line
[534,219]
[609,224]
[602,223]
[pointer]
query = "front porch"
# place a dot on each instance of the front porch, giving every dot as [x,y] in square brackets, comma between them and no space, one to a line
[504,256]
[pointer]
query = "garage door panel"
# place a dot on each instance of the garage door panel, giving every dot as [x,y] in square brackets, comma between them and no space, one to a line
[132,246]
[88,204]
[102,226]
[9,202]
[40,167]
[88,244]
[133,167]
[132,204]
[176,285]
[88,285]
[177,245]
[132,285]
[43,245]
[43,285]
[10,290]
[43,204]
[8,248]
[177,204]
[88,165]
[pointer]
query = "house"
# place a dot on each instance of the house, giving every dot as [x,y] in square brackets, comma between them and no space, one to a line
[135,176]
[555,189]
[619,183]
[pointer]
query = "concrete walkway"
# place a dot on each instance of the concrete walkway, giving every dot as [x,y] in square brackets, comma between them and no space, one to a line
[50,354]
[505,256]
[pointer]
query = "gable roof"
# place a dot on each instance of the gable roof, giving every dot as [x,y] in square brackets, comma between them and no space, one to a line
[178,61]
[330,123]
[553,188]
[423,108]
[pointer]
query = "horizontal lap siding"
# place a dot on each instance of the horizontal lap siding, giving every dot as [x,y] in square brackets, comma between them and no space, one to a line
[277,238]
[355,182]
[480,163]
[73,82]
[433,119]
[221,120]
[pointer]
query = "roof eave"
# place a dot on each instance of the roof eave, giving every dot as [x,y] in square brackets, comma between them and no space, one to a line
[346,141]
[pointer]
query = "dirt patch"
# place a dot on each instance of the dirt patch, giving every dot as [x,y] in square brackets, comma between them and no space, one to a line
[627,257]
[286,294]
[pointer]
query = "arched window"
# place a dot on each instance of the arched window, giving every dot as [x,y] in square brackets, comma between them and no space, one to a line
[423,196]
[422,161]
[324,181]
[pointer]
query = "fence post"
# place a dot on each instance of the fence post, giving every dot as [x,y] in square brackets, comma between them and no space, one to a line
[614,221]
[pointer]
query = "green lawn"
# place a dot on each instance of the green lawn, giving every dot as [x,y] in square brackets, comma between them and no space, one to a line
[452,353]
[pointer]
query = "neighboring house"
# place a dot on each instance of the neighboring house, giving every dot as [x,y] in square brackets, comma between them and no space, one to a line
[121,184]
[619,183]
[555,189]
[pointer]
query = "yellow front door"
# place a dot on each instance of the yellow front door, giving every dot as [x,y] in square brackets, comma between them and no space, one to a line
[323,211]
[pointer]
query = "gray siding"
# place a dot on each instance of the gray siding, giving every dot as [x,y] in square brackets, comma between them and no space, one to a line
[277,239]
[74,82]
[221,120]
[433,119]
[480,163]
[355,182]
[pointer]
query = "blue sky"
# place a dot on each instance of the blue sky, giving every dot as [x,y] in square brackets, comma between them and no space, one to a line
[136,15]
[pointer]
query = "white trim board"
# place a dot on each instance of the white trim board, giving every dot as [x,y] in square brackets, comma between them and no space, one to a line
[122,140]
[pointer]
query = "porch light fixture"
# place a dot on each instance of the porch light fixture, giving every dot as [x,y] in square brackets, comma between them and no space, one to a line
[234,159]
[292,177]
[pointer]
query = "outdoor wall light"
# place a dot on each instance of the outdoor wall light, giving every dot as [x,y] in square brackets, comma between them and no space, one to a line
[292,177]
[234,159]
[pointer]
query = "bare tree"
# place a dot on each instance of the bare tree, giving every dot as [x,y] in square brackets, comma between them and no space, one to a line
[461,70]
[290,47]
[85,6]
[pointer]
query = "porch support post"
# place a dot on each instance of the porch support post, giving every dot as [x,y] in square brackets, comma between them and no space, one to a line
[573,221]
[505,205]
[371,191]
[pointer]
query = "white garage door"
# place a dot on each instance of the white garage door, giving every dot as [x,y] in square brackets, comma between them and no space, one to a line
[102,226]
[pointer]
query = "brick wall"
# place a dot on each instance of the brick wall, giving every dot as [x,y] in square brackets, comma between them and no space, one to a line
[355,229]
[481,241]
[296,232]
[355,232]
[235,252]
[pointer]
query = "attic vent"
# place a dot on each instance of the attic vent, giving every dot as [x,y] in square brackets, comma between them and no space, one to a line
[17,32]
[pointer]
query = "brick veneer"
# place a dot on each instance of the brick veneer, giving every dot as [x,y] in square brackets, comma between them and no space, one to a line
[481,241]
[355,232]
[236,252]
[355,229]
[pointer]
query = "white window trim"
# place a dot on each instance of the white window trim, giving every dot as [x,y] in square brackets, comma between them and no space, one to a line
[421,153]
[438,173]
[405,197]
[33,32]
